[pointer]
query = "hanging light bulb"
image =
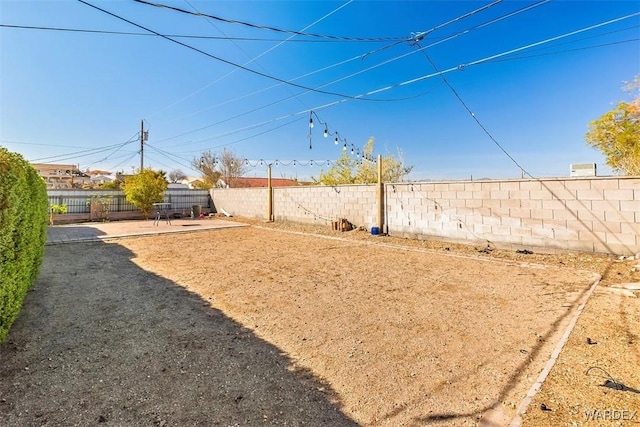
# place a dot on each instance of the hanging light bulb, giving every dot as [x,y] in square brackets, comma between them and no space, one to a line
[326,131]
[261,162]
[276,163]
[311,163]
[311,122]
[351,150]
[344,147]
[294,163]
[335,141]
[246,162]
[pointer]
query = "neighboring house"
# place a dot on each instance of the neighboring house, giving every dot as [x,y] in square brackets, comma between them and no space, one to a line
[192,183]
[61,176]
[101,179]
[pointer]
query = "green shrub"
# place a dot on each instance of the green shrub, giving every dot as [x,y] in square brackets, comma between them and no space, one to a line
[23,232]
[59,209]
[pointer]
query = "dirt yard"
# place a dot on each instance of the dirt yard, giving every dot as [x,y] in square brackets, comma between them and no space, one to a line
[254,326]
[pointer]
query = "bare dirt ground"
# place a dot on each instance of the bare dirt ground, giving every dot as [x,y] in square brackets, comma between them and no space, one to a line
[255,326]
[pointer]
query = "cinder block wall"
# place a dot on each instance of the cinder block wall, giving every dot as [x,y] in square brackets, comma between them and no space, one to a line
[600,214]
[308,204]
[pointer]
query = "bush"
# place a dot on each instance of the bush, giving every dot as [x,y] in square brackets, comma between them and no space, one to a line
[144,189]
[23,231]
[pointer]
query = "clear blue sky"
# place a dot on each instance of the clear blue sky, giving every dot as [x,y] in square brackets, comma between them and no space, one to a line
[79,97]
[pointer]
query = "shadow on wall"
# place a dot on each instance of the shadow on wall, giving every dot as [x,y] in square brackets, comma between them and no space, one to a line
[100,339]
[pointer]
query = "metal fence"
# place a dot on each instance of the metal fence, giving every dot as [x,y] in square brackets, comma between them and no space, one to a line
[79,201]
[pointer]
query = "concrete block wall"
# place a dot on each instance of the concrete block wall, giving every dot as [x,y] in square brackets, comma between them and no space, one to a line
[247,202]
[323,204]
[579,214]
[305,204]
[598,214]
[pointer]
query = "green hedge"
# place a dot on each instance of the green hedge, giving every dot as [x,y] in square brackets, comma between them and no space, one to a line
[23,232]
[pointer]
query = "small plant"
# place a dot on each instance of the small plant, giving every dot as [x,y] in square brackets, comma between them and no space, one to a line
[59,209]
[56,209]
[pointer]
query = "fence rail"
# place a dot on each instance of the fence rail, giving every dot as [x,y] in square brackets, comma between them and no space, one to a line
[79,201]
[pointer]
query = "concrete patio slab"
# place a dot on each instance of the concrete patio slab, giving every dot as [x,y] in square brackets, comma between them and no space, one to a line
[98,231]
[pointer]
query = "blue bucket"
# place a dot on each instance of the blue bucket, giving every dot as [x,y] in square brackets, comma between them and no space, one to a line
[375,231]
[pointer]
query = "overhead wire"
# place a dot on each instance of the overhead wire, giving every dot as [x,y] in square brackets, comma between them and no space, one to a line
[251,59]
[490,58]
[427,76]
[458,34]
[115,167]
[217,58]
[177,36]
[82,153]
[266,27]
[472,114]
[518,58]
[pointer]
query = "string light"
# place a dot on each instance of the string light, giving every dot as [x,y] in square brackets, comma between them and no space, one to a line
[337,138]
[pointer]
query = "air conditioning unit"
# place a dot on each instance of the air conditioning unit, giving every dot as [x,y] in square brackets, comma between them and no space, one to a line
[582,169]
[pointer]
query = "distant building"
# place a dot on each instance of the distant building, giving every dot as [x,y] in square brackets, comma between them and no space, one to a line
[101,179]
[61,176]
[192,183]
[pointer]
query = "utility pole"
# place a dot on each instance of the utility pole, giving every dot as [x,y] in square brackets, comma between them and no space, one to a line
[141,145]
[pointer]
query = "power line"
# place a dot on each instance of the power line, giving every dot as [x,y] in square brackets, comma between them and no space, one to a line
[566,50]
[177,36]
[472,114]
[356,73]
[79,154]
[40,144]
[265,27]
[251,59]
[551,39]
[217,58]
[428,76]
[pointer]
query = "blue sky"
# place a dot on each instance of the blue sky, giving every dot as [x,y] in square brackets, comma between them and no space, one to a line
[79,97]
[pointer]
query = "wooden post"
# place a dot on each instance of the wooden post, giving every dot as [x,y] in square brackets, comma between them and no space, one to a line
[270,196]
[380,195]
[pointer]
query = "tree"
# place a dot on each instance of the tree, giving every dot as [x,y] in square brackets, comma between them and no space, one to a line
[162,174]
[207,164]
[176,175]
[227,166]
[231,167]
[144,189]
[364,169]
[112,185]
[617,134]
